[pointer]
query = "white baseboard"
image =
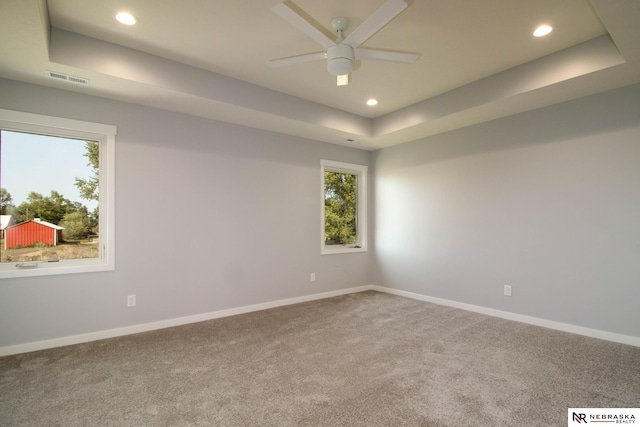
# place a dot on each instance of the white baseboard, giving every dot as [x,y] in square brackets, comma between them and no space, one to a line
[145,327]
[565,327]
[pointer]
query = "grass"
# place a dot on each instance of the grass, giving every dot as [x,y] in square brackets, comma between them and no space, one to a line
[39,252]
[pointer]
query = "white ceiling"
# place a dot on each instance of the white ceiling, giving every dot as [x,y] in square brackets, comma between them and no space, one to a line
[208,58]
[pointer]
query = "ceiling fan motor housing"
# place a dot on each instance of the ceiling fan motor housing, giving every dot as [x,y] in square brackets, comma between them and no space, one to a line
[340,59]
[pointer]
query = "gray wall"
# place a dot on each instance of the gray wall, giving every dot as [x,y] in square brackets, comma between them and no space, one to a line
[546,201]
[209,216]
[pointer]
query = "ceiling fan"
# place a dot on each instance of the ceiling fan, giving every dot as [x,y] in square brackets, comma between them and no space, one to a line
[342,52]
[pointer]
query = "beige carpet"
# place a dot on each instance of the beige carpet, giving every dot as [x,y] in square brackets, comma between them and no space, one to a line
[366,359]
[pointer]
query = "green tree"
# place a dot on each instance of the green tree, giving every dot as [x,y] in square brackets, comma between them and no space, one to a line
[340,207]
[50,208]
[6,202]
[76,225]
[89,187]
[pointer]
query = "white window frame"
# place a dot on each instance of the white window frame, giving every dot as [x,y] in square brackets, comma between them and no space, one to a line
[360,171]
[67,128]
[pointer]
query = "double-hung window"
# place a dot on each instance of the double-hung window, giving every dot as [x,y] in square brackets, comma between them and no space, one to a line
[57,195]
[344,207]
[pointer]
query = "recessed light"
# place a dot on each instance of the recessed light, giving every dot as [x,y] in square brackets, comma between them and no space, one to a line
[126,18]
[542,30]
[371,102]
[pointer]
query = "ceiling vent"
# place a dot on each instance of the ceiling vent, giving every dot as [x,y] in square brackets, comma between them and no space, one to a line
[68,78]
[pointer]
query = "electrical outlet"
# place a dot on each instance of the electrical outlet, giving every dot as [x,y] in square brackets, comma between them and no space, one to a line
[131,300]
[313,277]
[507,290]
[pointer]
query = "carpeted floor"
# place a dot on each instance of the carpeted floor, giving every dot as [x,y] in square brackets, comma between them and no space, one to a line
[366,359]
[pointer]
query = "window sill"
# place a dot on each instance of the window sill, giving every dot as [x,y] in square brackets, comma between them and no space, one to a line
[339,249]
[46,268]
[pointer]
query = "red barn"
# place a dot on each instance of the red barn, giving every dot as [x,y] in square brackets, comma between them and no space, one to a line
[30,232]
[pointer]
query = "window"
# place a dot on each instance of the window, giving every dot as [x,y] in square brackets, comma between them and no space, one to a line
[344,207]
[57,195]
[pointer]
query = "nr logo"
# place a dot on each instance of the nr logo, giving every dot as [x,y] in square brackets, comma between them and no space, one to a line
[580,418]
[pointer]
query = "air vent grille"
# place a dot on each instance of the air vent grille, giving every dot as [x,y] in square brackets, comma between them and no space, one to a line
[68,78]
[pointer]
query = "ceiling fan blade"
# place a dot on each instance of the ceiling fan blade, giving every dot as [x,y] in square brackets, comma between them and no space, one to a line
[298,59]
[303,22]
[377,20]
[385,55]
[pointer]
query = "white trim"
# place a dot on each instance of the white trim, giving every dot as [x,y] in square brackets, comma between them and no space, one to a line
[558,326]
[361,172]
[169,323]
[68,128]
[42,123]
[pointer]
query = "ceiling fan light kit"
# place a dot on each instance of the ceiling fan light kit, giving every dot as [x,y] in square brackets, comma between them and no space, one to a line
[340,59]
[341,53]
[343,80]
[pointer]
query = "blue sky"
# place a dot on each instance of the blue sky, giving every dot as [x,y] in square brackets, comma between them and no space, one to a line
[41,164]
